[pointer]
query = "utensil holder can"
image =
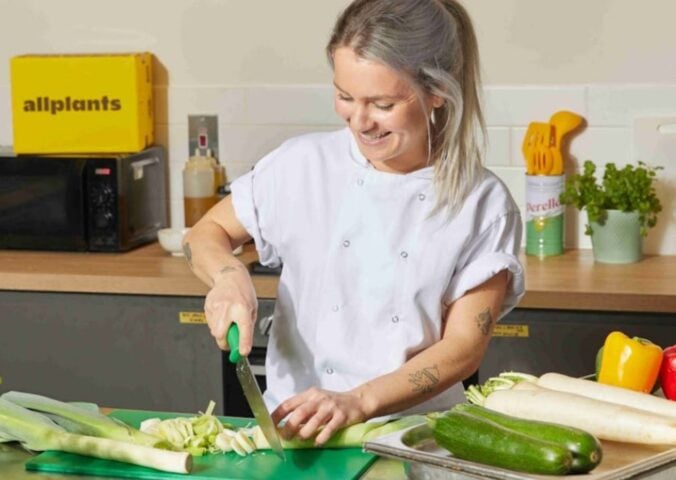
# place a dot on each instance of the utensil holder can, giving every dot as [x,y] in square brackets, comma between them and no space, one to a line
[544,215]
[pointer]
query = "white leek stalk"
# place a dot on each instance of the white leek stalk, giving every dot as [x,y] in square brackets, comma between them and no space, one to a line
[353,436]
[84,421]
[37,432]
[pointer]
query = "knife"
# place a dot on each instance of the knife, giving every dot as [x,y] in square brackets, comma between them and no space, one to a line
[252,392]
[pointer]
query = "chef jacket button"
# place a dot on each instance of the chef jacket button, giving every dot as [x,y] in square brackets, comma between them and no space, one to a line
[346,243]
[360,182]
[395,319]
[421,197]
[329,371]
[335,308]
[404,254]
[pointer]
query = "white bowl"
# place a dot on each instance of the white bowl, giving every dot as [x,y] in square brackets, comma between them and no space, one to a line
[171,238]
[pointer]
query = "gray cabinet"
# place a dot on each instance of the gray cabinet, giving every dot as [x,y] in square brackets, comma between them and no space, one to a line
[125,351]
[566,341]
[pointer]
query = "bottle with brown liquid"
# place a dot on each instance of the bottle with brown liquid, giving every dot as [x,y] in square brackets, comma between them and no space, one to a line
[199,187]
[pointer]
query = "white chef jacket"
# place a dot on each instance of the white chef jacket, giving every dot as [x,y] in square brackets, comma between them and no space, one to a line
[367,272]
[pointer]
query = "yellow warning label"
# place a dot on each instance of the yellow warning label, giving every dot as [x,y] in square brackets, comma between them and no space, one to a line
[192,317]
[511,330]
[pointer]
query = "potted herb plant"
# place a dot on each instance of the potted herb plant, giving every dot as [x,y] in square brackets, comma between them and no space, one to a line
[620,209]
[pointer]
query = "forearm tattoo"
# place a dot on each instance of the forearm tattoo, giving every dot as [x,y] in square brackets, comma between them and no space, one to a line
[424,380]
[226,269]
[484,321]
[188,253]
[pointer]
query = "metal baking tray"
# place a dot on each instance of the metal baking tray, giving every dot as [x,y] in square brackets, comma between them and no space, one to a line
[620,460]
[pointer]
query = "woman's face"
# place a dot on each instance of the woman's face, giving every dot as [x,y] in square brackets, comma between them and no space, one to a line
[382,111]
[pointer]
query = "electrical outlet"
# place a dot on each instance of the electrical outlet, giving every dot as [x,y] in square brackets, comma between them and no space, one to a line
[654,143]
[203,134]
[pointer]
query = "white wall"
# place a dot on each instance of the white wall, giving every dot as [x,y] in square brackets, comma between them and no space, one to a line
[260,66]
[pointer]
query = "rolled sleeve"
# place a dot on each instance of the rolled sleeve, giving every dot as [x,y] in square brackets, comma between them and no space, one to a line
[495,250]
[252,200]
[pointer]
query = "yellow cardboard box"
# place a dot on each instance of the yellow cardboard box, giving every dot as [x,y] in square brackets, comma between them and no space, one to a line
[82,103]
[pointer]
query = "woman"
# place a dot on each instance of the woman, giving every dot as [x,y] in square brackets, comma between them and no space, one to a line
[399,250]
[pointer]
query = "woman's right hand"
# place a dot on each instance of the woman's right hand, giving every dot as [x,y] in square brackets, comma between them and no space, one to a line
[232,299]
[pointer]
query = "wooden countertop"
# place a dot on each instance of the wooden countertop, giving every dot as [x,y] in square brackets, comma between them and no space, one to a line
[571,281]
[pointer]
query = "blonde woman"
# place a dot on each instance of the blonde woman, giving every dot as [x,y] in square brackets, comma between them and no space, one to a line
[399,249]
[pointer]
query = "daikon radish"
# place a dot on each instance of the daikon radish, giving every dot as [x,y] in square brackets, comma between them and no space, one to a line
[605,420]
[608,393]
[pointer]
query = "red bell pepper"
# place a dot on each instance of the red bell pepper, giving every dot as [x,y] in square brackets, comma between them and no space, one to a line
[668,372]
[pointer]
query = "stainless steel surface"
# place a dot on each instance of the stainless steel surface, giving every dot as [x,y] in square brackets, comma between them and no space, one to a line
[253,395]
[429,461]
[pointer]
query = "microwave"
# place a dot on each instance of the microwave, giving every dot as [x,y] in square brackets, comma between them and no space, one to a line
[82,203]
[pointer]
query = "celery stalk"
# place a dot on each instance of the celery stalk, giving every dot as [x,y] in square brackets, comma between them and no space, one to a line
[82,420]
[37,432]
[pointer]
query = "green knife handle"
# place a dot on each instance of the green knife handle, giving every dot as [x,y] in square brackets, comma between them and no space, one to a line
[233,342]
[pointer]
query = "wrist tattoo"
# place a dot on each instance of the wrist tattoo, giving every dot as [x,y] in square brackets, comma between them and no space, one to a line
[188,253]
[424,380]
[484,321]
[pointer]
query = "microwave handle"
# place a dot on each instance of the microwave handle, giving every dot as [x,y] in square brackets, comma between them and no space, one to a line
[139,165]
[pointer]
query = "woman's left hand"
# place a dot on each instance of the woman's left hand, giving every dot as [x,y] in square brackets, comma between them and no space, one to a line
[319,413]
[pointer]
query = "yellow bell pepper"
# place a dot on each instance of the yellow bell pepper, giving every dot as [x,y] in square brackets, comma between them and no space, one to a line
[632,363]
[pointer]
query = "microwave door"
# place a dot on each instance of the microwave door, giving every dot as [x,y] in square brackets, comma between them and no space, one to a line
[146,197]
[42,203]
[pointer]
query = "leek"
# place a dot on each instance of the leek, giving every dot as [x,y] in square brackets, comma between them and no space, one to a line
[37,432]
[82,419]
[196,435]
[353,436]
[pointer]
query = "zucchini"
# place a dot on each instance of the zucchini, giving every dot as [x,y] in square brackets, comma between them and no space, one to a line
[479,440]
[584,446]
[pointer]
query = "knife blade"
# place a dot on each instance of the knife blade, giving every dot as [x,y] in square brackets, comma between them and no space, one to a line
[252,392]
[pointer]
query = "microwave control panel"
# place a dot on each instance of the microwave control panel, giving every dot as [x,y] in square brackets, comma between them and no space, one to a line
[102,203]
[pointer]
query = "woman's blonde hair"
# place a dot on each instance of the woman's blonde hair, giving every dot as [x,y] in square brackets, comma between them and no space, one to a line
[433,43]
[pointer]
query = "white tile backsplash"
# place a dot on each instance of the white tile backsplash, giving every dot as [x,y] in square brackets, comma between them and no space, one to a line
[601,145]
[291,105]
[617,105]
[498,146]
[5,115]
[520,105]
[174,104]
[249,143]
[253,120]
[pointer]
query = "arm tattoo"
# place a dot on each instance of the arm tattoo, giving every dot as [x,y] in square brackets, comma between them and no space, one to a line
[484,321]
[227,269]
[424,380]
[188,253]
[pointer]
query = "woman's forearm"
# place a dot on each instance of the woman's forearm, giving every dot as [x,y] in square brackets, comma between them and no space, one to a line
[421,378]
[467,331]
[209,244]
[208,250]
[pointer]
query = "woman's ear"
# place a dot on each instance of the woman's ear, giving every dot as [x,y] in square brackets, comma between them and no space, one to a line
[436,101]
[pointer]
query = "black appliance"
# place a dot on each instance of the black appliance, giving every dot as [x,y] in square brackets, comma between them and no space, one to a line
[82,203]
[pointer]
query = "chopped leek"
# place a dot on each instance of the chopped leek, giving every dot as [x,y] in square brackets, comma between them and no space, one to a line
[38,432]
[196,435]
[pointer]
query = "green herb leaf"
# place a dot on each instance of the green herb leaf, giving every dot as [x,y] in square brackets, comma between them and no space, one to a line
[628,189]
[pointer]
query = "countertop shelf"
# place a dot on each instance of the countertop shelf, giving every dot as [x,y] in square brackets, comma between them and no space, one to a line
[572,281]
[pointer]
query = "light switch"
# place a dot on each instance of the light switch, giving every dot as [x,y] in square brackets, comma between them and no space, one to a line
[203,134]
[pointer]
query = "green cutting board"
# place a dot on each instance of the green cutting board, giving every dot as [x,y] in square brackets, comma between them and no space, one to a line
[315,464]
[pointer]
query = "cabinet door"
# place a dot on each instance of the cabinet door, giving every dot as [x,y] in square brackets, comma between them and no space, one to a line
[124,351]
[538,341]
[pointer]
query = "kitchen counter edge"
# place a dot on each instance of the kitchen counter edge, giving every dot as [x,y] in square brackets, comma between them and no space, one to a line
[572,281]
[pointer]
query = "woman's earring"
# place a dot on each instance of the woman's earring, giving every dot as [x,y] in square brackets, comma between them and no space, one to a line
[433,119]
